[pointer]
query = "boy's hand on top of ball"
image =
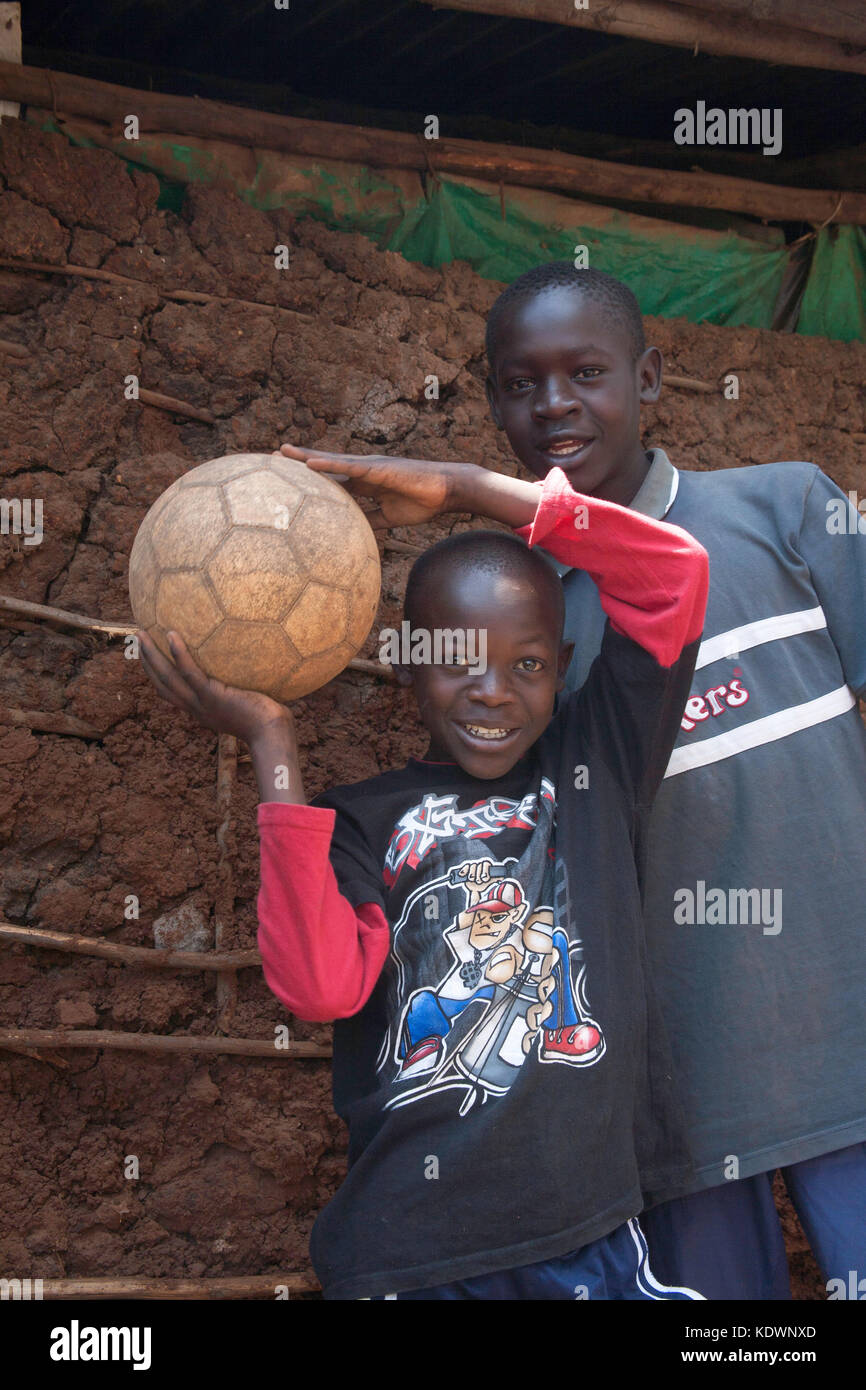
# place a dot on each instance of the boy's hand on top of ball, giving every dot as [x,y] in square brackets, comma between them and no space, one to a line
[409,491]
[224,708]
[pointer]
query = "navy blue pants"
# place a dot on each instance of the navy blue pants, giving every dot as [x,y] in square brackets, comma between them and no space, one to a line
[727,1241]
[615,1267]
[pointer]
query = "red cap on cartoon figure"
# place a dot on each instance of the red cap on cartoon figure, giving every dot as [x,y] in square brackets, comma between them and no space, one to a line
[505,894]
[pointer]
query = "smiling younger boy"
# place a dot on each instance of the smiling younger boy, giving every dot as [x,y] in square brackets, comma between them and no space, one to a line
[766,788]
[472,920]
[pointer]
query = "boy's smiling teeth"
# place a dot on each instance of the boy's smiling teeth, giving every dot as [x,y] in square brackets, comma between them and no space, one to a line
[567,446]
[479,731]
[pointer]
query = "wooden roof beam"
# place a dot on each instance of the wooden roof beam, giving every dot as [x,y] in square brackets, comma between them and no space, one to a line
[837,19]
[158,112]
[684,26]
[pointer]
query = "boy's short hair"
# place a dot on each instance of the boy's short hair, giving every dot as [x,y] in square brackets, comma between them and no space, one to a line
[492,552]
[614,298]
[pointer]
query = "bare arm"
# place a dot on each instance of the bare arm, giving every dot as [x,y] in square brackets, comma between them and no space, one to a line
[410,491]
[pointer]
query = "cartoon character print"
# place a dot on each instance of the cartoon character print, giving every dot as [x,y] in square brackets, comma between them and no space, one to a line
[512,961]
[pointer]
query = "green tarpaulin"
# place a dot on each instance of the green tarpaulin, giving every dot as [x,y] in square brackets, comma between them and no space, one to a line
[834,304]
[675,270]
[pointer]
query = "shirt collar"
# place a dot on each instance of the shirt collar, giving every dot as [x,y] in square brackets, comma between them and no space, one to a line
[656,494]
[654,497]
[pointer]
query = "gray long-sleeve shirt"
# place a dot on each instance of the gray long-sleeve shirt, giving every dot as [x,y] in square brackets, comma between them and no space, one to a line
[756,880]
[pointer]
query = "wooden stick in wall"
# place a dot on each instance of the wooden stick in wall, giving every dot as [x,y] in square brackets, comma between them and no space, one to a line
[146,956]
[231,1286]
[158,1042]
[48,722]
[25,609]
[227,771]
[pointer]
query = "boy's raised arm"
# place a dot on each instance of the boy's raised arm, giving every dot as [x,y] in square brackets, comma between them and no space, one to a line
[652,580]
[411,491]
[652,577]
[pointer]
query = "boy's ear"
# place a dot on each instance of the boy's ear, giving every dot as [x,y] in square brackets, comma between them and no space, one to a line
[493,401]
[650,364]
[566,651]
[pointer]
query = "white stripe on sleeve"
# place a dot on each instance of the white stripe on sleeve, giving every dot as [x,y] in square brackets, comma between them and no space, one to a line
[760,731]
[740,639]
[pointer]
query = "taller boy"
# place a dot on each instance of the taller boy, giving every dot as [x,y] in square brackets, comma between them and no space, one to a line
[755,889]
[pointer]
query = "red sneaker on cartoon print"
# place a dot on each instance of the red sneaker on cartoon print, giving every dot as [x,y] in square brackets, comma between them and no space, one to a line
[577,1042]
[423,1057]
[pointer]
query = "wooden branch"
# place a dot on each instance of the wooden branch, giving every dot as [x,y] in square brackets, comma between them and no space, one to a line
[227,771]
[688,383]
[63,618]
[174,406]
[509,164]
[85,272]
[157,1042]
[373,668]
[681,25]
[13,349]
[147,956]
[59,1062]
[230,1286]
[48,722]
[838,19]
[402,547]
[111,277]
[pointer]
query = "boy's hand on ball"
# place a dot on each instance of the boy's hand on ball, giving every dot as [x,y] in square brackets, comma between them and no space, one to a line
[409,491]
[224,708]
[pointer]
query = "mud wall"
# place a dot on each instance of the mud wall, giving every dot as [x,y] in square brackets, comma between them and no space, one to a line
[235,1155]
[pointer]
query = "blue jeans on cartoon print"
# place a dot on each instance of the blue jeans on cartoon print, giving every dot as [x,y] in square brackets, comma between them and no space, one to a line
[565,1013]
[429,1015]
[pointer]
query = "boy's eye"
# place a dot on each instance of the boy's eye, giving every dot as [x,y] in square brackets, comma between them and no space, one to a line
[522,383]
[530,663]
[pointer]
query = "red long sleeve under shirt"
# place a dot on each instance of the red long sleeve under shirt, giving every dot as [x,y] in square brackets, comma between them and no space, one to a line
[320,955]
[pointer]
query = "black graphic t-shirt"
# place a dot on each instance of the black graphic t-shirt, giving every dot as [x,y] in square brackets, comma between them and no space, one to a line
[508,1085]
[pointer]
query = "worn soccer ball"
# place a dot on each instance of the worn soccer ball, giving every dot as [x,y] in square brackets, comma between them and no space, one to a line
[268,570]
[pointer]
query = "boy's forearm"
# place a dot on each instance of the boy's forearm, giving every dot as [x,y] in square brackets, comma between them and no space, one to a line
[651,576]
[509,500]
[278,773]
